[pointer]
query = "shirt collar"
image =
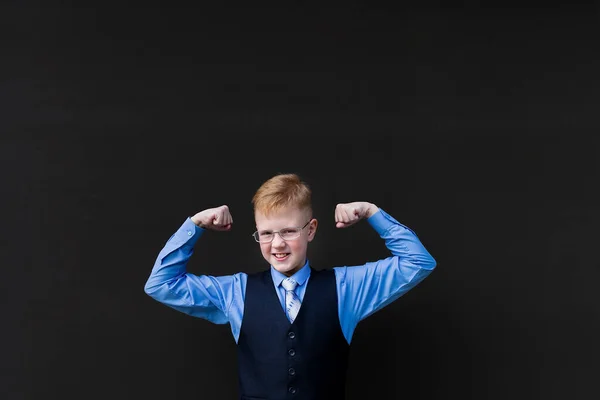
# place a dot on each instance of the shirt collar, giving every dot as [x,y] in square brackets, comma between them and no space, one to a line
[300,276]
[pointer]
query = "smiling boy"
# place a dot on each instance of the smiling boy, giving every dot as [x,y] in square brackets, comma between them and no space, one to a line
[293,324]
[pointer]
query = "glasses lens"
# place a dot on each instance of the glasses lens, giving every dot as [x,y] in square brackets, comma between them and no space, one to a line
[290,233]
[263,237]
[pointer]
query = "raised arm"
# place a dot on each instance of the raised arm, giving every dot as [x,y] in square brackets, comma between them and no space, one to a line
[201,296]
[366,289]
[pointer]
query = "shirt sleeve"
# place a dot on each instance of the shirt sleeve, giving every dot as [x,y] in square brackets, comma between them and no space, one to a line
[366,289]
[201,296]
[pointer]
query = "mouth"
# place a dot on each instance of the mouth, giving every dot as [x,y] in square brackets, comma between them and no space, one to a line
[281,256]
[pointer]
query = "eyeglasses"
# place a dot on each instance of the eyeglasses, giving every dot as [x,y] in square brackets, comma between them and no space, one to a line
[285,234]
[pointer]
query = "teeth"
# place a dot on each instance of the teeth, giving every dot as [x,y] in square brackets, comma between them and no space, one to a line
[280,255]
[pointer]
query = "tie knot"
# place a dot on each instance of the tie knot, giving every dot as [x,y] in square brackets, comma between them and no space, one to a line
[289,284]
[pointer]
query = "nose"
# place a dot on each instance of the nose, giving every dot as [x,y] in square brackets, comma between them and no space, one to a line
[277,241]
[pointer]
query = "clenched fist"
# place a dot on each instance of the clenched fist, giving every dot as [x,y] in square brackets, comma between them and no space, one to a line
[217,219]
[348,214]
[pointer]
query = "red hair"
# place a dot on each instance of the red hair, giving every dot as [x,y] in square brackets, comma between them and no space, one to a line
[281,191]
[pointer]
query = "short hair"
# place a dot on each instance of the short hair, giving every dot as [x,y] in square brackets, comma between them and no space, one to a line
[280,191]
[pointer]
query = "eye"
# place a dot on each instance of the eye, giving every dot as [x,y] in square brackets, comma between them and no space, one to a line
[289,231]
[265,233]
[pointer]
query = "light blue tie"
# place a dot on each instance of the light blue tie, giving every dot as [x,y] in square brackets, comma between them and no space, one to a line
[292,302]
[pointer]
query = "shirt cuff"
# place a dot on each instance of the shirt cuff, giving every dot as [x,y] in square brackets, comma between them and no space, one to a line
[188,234]
[382,222]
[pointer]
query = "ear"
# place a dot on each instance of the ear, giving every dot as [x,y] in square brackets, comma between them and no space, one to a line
[312,229]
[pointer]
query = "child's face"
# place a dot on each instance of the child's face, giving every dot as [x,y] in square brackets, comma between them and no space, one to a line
[286,256]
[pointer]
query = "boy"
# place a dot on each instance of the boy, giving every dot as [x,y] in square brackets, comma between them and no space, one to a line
[292,324]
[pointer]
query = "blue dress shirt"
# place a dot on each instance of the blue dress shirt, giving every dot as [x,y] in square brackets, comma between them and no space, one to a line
[362,290]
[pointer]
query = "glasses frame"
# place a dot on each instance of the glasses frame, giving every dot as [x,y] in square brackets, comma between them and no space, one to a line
[255,234]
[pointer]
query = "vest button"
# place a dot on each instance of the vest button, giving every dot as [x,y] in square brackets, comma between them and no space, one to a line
[292,352]
[291,335]
[292,390]
[292,371]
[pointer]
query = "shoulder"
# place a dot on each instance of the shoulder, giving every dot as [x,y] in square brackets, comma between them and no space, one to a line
[256,275]
[322,274]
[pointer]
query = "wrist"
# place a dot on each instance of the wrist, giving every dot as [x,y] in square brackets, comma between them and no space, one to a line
[196,222]
[372,209]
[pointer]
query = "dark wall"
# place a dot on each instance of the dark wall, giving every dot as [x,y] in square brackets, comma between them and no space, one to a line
[474,125]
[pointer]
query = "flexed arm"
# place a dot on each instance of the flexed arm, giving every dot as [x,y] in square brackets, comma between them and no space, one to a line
[365,289]
[202,296]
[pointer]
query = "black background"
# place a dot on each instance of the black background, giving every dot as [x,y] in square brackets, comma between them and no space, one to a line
[474,124]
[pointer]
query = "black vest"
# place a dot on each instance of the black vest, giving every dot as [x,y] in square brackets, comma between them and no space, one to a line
[306,360]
